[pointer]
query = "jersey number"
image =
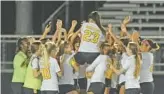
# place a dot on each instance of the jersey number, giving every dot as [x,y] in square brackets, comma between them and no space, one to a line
[46,73]
[88,34]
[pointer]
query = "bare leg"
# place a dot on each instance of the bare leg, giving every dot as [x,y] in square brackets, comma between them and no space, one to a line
[73,92]
[122,90]
[90,93]
[83,91]
[106,91]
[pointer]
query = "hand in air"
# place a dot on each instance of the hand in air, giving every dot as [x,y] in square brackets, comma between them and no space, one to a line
[74,23]
[59,24]
[126,20]
[48,28]
[109,28]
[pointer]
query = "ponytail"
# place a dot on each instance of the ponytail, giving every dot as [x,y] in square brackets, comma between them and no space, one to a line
[45,57]
[96,17]
[45,71]
[153,46]
[138,66]
[134,49]
[101,27]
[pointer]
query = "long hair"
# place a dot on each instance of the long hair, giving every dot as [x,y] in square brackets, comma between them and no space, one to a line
[76,40]
[104,44]
[49,47]
[96,17]
[134,49]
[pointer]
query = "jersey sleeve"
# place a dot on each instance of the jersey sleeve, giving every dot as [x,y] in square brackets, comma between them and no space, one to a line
[83,27]
[34,63]
[151,68]
[57,68]
[126,65]
[93,65]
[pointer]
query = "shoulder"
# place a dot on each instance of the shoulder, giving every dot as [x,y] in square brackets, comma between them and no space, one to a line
[130,58]
[99,57]
[125,55]
[34,57]
[20,55]
[85,24]
[148,55]
[53,60]
[104,56]
[151,54]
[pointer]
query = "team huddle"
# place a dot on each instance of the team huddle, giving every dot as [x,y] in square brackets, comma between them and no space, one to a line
[91,60]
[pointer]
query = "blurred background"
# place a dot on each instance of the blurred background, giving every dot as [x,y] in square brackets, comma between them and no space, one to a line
[29,18]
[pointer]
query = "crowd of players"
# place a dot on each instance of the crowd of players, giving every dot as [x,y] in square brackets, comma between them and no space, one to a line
[91,60]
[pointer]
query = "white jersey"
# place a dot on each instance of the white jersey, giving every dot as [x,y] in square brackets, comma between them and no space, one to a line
[99,67]
[68,75]
[115,77]
[122,76]
[91,38]
[114,80]
[129,66]
[146,68]
[52,83]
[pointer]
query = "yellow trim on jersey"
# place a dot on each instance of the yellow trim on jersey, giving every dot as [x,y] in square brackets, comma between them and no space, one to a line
[74,64]
[151,68]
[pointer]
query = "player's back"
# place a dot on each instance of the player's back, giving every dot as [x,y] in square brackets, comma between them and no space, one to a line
[91,37]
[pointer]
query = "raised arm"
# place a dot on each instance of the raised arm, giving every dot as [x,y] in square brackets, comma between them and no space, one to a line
[58,37]
[54,37]
[75,35]
[135,36]
[71,30]
[61,63]
[114,37]
[58,27]
[124,31]
[65,35]
[46,31]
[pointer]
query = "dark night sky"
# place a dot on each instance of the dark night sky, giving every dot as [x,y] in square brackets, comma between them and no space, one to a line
[41,11]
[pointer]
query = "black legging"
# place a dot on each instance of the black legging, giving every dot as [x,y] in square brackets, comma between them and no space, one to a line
[147,88]
[49,92]
[132,91]
[17,88]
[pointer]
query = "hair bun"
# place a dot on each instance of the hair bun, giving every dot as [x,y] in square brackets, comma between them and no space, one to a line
[155,46]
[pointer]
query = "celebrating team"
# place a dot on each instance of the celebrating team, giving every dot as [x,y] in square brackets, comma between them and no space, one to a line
[92,60]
